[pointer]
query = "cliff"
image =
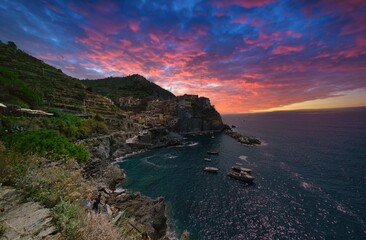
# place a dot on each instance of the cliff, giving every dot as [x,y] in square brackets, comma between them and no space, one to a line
[197,114]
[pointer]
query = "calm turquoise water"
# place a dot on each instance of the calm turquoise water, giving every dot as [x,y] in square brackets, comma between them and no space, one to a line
[310,178]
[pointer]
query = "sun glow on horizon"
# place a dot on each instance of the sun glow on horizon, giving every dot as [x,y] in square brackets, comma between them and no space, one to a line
[354,98]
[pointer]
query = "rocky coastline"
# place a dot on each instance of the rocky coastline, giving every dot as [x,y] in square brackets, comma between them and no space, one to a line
[151,214]
[102,167]
[246,140]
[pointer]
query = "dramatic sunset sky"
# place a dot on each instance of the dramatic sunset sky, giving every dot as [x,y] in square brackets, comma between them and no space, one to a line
[244,55]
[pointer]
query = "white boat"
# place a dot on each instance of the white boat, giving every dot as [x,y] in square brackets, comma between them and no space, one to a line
[213,152]
[241,169]
[243,176]
[210,169]
[207,159]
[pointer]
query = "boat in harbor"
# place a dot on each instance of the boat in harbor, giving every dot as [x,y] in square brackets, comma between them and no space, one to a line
[240,173]
[242,176]
[241,169]
[210,169]
[238,163]
[207,159]
[213,152]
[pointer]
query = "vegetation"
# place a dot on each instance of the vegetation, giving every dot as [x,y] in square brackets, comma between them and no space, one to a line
[66,124]
[44,142]
[29,82]
[67,218]
[133,85]
[59,185]
[15,91]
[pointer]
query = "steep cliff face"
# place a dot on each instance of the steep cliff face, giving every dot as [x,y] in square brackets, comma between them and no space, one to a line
[197,114]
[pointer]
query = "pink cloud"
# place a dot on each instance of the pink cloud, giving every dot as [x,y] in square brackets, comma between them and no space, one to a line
[293,34]
[154,38]
[134,25]
[241,19]
[246,3]
[287,49]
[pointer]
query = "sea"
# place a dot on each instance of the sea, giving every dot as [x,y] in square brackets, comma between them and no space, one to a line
[310,178]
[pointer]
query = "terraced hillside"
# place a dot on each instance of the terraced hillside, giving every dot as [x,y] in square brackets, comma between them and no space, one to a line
[51,85]
[135,86]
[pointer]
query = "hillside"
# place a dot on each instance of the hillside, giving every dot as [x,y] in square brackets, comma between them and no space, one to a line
[29,82]
[135,87]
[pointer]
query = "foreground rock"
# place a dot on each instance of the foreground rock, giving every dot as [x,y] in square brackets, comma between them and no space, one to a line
[151,214]
[241,138]
[24,220]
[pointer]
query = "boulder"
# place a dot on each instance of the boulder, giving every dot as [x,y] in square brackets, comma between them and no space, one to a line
[150,213]
[24,220]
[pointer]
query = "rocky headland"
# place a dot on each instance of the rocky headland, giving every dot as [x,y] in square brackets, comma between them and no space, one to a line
[246,140]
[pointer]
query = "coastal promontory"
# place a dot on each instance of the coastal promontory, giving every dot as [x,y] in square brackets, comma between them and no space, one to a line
[60,138]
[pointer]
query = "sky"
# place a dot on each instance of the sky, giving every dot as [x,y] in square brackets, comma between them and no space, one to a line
[246,56]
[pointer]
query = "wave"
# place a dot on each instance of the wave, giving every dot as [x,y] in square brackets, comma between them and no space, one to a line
[146,160]
[263,143]
[244,158]
[309,186]
[192,144]
[169,156]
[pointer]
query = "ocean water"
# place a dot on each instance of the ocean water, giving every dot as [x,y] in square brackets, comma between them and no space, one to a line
[310,178]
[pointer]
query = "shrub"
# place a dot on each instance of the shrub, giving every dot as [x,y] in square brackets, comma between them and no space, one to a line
[67,218]
[65,123]
[98,117]
[44,142]
[104,230]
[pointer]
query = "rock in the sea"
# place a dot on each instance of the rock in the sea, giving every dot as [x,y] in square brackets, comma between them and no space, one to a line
[241,138]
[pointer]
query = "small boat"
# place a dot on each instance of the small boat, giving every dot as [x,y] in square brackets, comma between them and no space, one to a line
[238,163]
[212,136]
[213,152]
[239,169]
[233,126]
[242,176]
[207,159]
[210,169]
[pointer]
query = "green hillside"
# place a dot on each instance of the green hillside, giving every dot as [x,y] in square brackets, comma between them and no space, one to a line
[29,82]
[134,85]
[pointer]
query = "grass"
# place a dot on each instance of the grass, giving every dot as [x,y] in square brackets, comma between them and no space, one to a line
[15,91]
[67,218]
[59,185]
[45,142]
